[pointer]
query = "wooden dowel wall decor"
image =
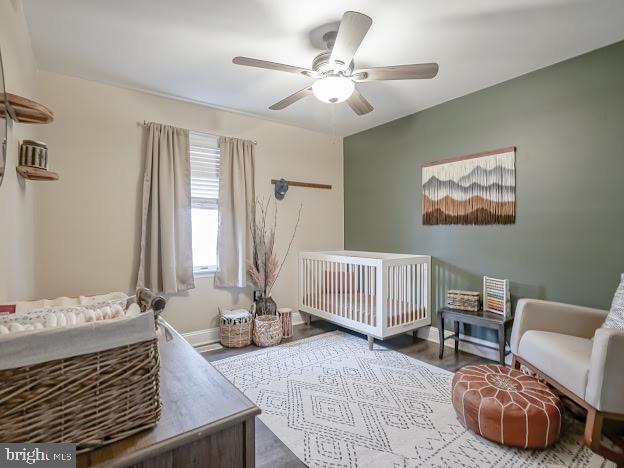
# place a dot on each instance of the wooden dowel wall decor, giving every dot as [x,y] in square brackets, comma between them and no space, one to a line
[293,183]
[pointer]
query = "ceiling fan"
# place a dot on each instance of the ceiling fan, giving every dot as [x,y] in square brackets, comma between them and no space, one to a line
[334,70]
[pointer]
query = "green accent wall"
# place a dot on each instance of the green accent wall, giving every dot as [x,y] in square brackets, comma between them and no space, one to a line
[567,122]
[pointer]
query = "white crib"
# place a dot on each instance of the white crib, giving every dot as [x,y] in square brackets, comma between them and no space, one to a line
[378,294]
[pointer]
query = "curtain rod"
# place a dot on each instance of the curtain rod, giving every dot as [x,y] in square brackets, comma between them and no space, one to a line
[145,122]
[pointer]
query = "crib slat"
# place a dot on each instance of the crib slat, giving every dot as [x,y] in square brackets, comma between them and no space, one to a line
[403,295]
[400,294]
[345,290]
[408,285]
[391,294]
[356,311]
[311,266]
[314,284]
[325,295]
[401,316]
[306,275]
[376,293]
[412,292]
[397,299]
[420,291]
[353,295]
[424,291]
[371,292]
[318,284]
[323,289]
[388,294]
[396,296]
[406,293]
[368,290]
[338,289]
[331,291]
[352,292]
[360,286]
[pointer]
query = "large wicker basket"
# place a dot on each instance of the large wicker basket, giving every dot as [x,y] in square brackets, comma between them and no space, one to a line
[89,399]
[267,330]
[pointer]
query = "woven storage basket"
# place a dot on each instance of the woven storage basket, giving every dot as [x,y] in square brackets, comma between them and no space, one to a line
[267,330]
[89,399]
[235,332]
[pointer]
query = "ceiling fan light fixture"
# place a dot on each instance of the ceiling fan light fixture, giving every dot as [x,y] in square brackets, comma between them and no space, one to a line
[333,88]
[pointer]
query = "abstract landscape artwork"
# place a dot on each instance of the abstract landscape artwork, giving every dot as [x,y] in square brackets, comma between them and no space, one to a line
[474,189]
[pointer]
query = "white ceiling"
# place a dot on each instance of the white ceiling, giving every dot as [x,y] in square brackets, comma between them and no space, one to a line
[184,48]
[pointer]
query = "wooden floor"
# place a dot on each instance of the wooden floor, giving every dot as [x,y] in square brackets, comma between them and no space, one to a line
[271,452]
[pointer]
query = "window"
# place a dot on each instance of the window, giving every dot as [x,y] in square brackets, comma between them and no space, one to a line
[205,160]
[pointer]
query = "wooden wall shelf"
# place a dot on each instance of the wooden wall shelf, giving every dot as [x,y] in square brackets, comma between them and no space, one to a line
[34,173]
[24,110]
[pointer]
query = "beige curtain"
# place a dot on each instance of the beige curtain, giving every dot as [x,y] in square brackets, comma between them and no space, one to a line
[236,208]
[166,260]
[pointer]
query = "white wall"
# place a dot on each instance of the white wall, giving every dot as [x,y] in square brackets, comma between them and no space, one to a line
[17,221]
[89,220]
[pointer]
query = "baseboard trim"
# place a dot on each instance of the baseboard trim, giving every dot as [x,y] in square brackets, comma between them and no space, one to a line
[201,338]
[205,339]
[469,346]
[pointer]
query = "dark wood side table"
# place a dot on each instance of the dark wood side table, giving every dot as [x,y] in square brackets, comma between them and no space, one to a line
[479,318]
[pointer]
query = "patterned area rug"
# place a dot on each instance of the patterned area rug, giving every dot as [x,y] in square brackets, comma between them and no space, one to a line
[337,405]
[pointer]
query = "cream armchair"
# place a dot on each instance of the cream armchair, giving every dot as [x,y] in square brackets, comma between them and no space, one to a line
[565,345]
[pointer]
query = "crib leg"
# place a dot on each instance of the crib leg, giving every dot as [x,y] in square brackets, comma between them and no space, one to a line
[371,341]
[308,319]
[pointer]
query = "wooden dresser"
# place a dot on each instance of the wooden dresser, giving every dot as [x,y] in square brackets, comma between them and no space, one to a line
[205,420]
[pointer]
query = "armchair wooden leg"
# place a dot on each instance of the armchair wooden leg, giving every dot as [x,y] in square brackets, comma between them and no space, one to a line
[515,364]
[593,428]
[593,437]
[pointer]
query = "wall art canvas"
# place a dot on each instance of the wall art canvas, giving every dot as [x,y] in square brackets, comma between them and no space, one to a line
[474,189]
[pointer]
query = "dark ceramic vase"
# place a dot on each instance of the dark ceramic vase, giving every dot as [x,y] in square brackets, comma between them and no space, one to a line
[265,305]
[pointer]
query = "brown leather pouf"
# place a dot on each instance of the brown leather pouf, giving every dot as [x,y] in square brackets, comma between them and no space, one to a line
[506,406]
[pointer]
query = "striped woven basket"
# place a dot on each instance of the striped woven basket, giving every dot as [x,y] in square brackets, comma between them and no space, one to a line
[236,327]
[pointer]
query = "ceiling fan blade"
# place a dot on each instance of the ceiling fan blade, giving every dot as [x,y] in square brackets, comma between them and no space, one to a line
[359,104]
[351,32]
[251,62]
[292,99]
[417,71]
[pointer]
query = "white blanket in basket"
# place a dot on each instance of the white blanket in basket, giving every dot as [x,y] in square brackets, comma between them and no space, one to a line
[32,347]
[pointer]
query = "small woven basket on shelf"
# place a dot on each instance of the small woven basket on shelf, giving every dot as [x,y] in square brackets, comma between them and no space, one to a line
[236,326]
[267,330]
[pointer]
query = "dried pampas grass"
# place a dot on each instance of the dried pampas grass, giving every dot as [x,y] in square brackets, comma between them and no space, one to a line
[265,267]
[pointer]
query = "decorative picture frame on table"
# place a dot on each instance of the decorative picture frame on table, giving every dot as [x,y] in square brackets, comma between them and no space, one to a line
[496,296]
[477,188]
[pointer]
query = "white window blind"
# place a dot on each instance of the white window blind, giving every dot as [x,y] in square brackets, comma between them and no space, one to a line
[204,151]
[205,161]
